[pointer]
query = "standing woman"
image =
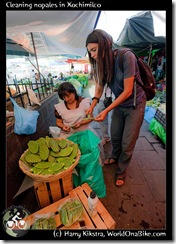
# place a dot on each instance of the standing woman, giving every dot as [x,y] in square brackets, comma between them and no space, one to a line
[126,120]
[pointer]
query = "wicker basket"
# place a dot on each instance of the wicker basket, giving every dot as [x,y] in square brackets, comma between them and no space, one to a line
[48,178]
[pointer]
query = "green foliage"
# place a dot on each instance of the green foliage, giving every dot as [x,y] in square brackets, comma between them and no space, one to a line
[159,98]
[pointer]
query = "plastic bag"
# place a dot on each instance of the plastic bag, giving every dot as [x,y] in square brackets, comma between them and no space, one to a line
[44,222]
[89,169]
[25,120]
[149,113]
[32,97]
[157,129]
[71,211]
[54,131]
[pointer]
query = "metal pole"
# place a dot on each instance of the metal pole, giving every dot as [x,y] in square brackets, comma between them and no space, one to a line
[35,68]
[35,54]
[149,58]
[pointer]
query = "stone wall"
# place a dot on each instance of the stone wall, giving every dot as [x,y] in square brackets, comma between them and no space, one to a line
[17,144]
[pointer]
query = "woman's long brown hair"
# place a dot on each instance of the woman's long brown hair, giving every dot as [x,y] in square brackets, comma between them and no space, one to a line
[103,70]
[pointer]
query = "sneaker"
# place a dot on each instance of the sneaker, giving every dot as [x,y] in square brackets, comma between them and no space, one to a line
[105,140]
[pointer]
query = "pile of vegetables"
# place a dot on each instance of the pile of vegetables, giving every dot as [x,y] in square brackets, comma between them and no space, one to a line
[44,224]
[158,100]
[70,212]
[49,156]
[78,81]
[83,79]
[76,84]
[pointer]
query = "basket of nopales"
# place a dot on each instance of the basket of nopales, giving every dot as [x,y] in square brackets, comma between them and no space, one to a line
[48,159]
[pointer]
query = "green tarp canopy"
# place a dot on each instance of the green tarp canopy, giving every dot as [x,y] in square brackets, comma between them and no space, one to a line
[138,34]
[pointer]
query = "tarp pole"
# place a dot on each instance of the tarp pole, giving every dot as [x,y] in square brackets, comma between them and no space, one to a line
[35,55]
[36,68]
[98,16]
[150,53]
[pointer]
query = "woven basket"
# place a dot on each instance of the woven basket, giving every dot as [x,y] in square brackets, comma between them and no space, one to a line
[49,178]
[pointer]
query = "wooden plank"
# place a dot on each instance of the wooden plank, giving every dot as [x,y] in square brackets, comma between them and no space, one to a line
[52,208]
[67,183]
[86,188]
[55,190]
[106,217]
[99,224]
[41,194]
[74,226]
[86,218]
[103,219]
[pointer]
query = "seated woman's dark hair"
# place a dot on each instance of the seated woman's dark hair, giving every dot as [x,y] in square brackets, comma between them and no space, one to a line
[66,87]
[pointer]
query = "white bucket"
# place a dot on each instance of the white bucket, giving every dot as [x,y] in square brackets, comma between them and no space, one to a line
[54,131]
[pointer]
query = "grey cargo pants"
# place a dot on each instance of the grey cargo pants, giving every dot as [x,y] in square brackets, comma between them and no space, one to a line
[125,128]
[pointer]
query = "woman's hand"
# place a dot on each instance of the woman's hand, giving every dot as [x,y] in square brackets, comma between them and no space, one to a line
[76,125]
[66,128]
[60,124]
[89,110]
[83,122]
[101,116]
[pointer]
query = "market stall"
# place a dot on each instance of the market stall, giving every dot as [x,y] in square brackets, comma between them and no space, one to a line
[155,115]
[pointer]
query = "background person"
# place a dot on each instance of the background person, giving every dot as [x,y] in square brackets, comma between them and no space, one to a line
[126,121]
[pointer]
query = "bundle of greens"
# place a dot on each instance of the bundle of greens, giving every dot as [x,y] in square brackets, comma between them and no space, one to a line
[70,212]
[44,223]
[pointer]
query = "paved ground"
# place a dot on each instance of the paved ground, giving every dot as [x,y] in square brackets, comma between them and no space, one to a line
[141,203]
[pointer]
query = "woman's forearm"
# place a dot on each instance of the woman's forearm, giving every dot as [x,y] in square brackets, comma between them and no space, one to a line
[59,123]
[98,94]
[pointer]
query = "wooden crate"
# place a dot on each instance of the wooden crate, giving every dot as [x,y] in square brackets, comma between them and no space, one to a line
[49,192]
[160,116]
[102,220]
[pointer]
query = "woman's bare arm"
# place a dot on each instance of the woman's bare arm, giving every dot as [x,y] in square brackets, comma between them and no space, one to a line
[98,94]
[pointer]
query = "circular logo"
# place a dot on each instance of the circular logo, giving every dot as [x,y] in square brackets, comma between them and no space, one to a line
[14,222]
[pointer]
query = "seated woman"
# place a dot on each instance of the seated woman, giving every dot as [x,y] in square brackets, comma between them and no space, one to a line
[71,113]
